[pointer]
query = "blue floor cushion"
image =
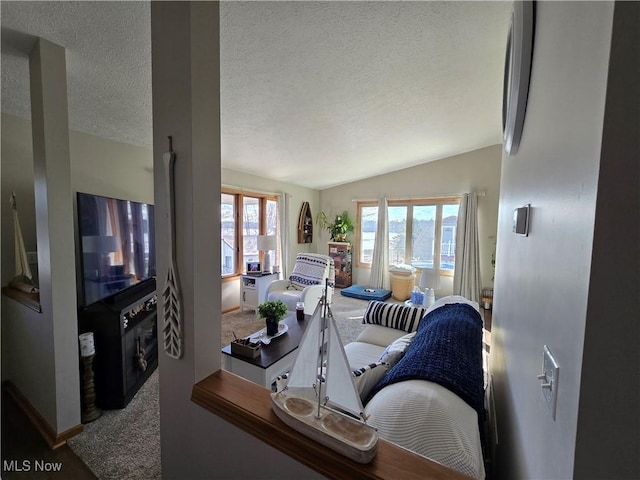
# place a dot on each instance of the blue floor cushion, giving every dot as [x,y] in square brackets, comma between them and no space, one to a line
[366,293]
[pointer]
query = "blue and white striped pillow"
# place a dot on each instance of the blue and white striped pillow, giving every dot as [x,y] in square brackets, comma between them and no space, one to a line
[393,315]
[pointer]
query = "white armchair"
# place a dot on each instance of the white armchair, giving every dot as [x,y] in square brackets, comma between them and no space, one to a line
[306,282]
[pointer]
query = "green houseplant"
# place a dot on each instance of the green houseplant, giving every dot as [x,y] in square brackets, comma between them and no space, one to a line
[340,228]
[272,312]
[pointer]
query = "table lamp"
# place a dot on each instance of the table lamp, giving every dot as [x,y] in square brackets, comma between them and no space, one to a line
[266,243]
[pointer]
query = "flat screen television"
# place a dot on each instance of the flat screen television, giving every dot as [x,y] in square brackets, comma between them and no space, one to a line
[117,245]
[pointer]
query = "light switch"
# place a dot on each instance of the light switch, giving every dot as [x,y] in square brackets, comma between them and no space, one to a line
[549,379]
[521,220]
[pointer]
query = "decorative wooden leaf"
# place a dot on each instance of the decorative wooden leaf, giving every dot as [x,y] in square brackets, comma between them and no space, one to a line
[172,309]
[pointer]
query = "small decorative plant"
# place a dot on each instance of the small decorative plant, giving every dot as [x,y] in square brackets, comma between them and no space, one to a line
[340,228]
[272,312]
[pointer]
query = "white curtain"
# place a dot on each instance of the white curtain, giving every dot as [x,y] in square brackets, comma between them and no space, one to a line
[284,227]
[379,276]
[466,279]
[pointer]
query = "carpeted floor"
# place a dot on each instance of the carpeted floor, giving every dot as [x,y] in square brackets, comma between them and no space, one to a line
[125,444]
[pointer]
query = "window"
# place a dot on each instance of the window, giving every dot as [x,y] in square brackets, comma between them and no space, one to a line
[244,216]
[422,233]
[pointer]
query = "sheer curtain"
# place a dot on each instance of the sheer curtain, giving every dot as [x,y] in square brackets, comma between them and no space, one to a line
[284,227]
[379,276]
[466,279]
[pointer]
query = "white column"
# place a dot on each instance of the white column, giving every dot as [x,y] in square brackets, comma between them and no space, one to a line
[185,84]
[54,227]
[186,95]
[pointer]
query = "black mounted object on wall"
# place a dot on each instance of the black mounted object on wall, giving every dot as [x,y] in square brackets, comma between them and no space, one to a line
[521,220]
[517,71]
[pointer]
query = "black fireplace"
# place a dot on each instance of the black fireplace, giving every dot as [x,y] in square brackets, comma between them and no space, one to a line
[126,342]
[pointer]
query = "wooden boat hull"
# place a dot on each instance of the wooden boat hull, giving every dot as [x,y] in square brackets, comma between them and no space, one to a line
[340,433]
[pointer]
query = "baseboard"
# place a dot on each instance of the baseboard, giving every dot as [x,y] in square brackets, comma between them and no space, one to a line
[53,439]
[232,309]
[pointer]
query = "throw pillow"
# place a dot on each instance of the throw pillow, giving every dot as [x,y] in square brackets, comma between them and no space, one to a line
[394,352]
[281,381]
[393,315]
[367,377]
[308,270]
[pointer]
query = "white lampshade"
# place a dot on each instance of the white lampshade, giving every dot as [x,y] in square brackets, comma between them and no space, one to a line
[430,278]
[266,242]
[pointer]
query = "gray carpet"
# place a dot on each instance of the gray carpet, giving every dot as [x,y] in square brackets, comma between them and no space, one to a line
[125,444]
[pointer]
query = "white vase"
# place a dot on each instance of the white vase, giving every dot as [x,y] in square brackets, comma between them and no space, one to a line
[429,297]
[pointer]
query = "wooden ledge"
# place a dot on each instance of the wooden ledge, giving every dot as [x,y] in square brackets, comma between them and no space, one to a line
[248,406]
[31,300]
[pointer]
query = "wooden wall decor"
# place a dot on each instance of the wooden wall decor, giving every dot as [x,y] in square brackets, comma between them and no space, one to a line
[305,224]
[171,295]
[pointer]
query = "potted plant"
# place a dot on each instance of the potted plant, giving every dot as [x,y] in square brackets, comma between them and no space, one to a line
[272,312]
[340,228]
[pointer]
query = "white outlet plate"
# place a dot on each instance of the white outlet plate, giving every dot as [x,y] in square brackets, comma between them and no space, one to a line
[549,383]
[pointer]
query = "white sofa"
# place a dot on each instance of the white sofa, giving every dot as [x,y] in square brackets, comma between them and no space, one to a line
[420,415]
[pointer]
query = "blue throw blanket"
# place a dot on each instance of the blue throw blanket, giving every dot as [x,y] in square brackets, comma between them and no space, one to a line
[447,350]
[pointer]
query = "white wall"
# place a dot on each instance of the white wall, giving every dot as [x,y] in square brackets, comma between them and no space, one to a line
[39,350]
[476,171]
[542,284]
[98,166]
[112,169]
[609,415]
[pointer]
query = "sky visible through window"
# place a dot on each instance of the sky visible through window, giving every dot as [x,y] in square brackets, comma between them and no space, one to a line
[427,241]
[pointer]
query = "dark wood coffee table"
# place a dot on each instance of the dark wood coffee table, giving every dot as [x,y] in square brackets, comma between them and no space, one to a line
[275,358]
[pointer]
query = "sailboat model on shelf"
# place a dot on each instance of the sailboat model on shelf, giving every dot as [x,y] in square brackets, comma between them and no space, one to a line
[23,280]
[329,409]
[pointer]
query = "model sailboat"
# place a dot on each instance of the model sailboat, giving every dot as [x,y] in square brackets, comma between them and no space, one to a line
[23,279]
[320,399]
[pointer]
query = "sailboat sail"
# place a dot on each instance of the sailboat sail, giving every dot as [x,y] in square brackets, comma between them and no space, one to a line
[305,369]
[340,387]
[23,279]
[22,264]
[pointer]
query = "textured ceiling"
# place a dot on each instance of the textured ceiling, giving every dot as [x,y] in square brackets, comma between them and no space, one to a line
[312,93]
